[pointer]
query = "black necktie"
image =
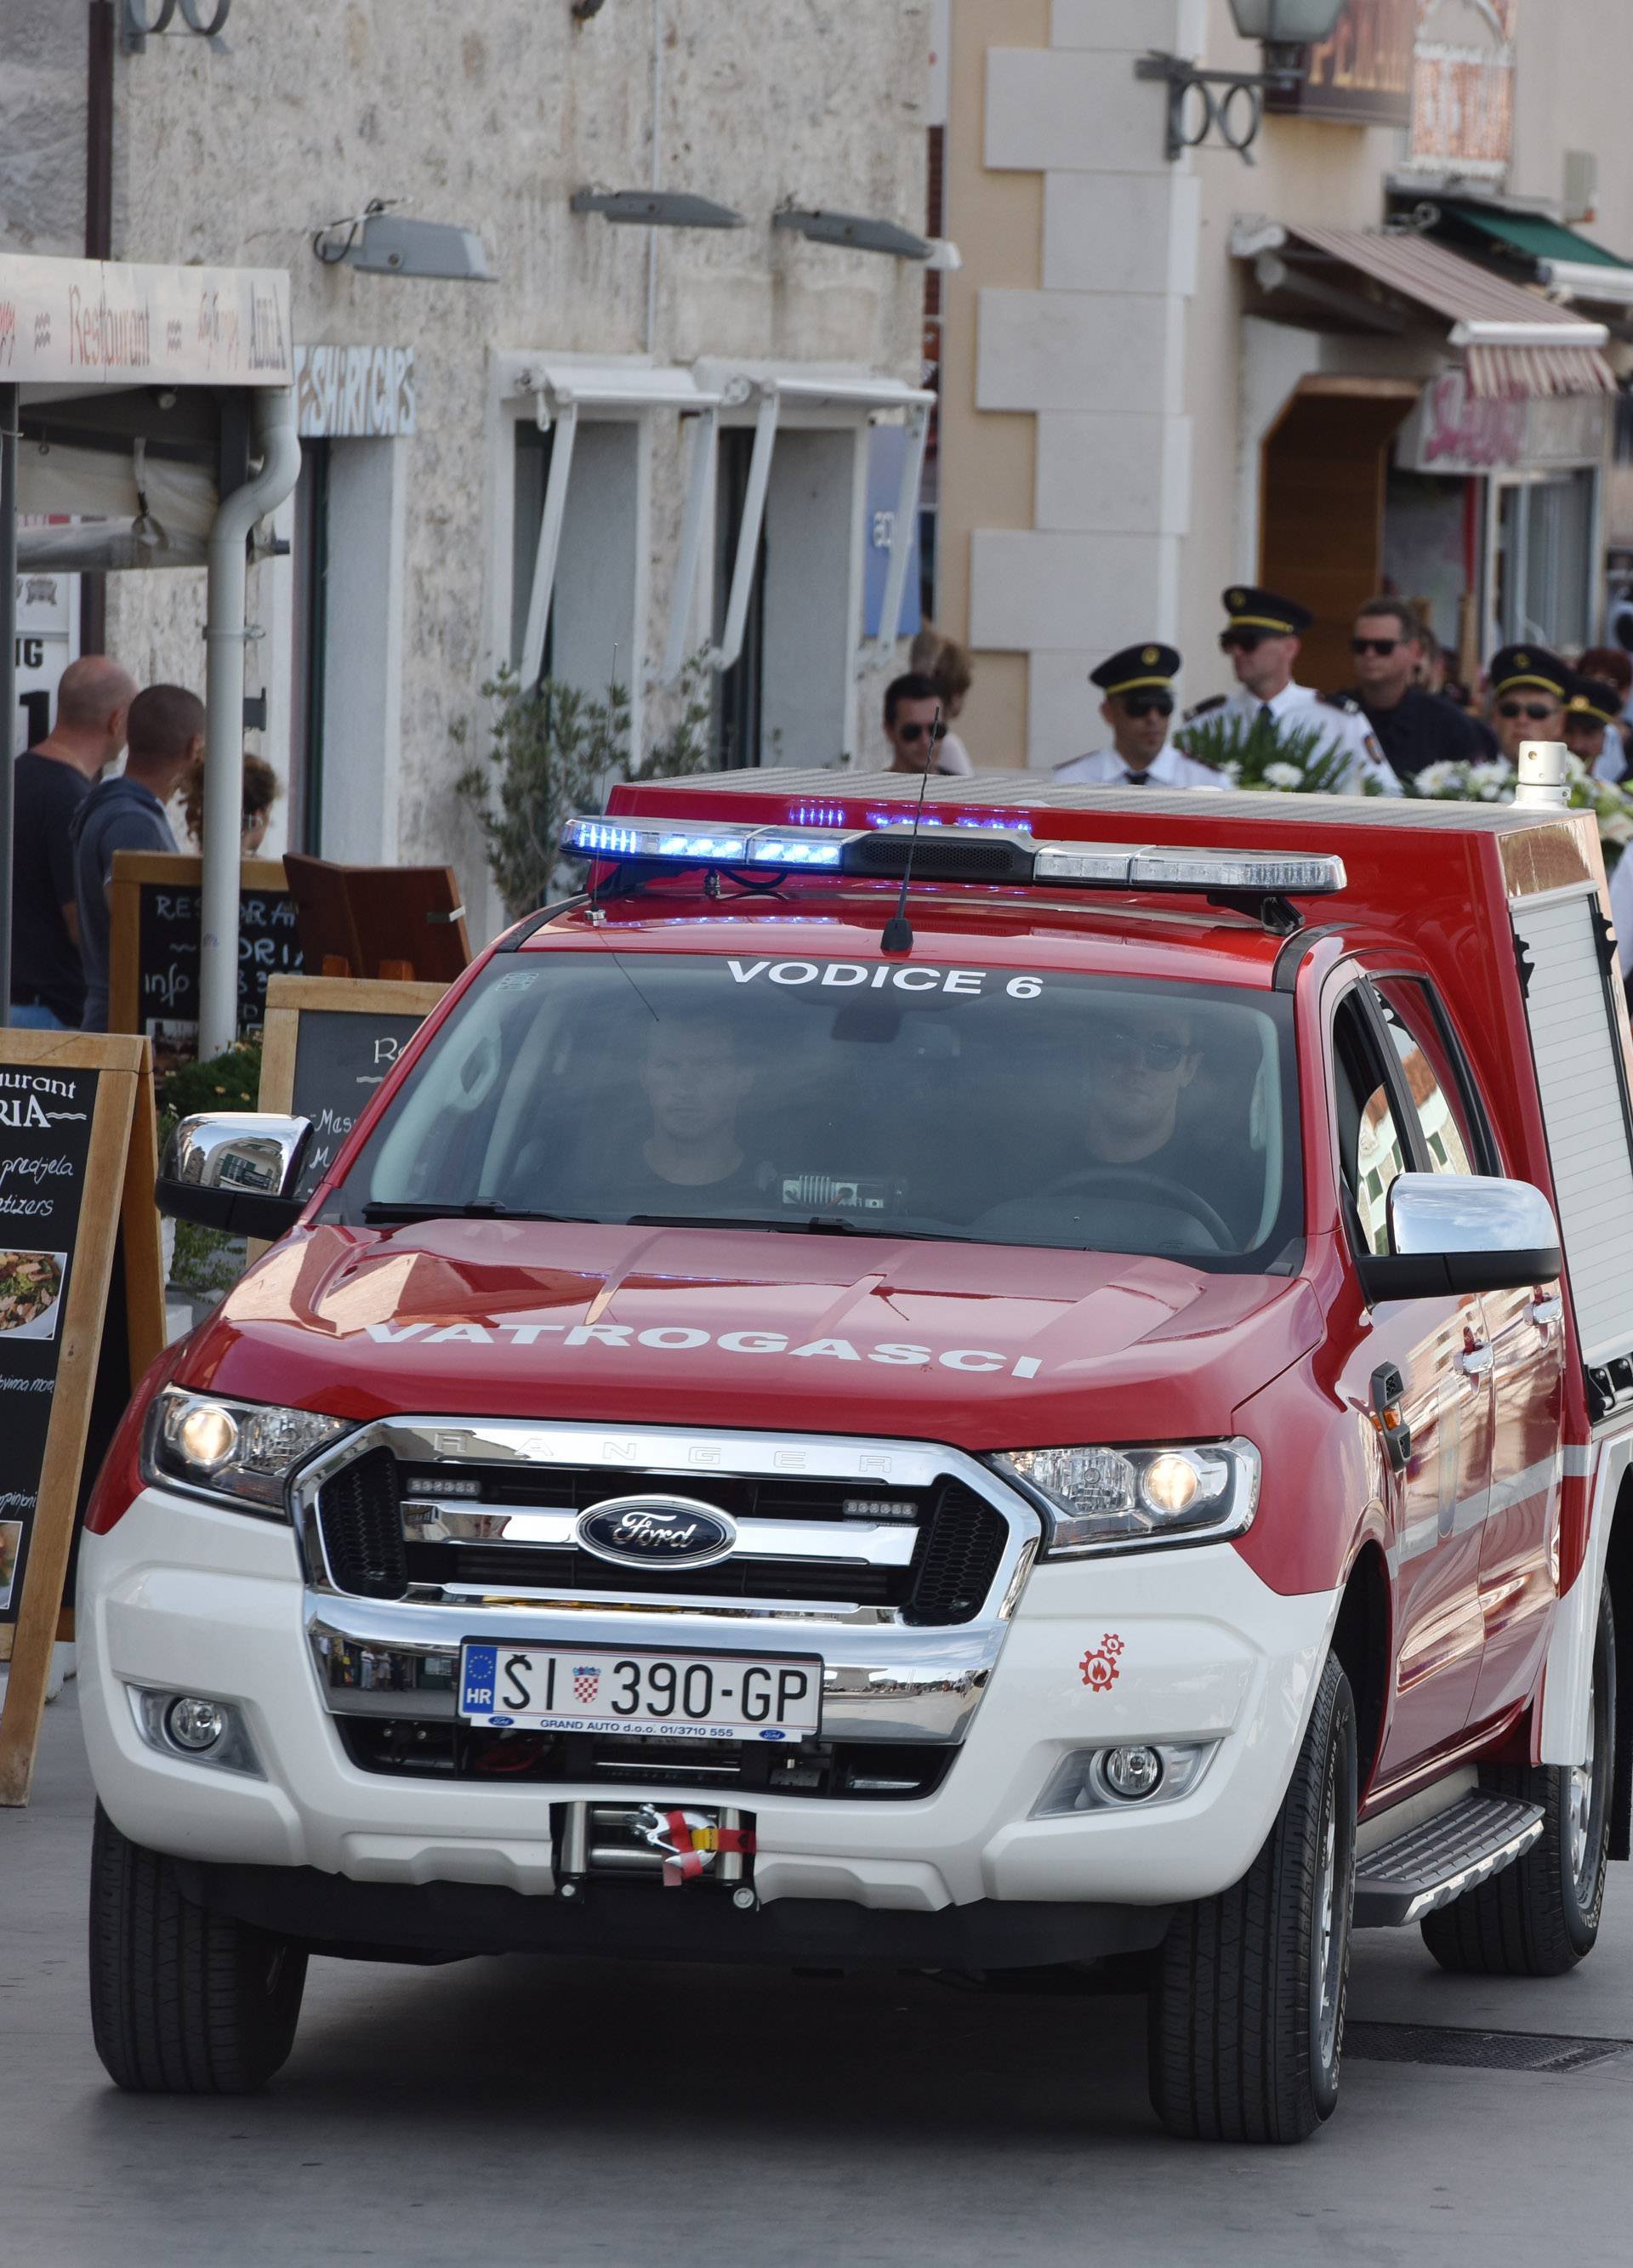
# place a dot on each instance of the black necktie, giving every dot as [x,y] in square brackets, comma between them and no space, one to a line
[1132,779]
[1266,715]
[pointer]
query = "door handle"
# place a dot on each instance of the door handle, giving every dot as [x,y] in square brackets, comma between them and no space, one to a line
[1545,1311]
[1475,1361]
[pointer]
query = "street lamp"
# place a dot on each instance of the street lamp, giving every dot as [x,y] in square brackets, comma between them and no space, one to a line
[1285,28]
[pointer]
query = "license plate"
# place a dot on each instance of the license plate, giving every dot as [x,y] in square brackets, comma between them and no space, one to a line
[700,1696]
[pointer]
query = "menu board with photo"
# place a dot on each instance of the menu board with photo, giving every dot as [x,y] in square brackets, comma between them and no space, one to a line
[81,1316]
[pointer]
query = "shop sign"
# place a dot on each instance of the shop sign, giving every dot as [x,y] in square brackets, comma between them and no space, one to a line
[1361,74]
[354,393]
[1454,431]
[1463,92]
[96,323]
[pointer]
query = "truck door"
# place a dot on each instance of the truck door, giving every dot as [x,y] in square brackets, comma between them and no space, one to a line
[1441,1349]
[1526,1331]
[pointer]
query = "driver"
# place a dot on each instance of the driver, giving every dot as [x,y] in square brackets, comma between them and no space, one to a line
[1141,1056]
[694,1084]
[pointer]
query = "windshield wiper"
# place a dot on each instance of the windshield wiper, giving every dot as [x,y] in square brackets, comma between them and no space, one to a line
[820,1224]
[380,1212]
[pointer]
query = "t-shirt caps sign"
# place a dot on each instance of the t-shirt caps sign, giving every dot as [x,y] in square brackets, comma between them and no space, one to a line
[45,1140]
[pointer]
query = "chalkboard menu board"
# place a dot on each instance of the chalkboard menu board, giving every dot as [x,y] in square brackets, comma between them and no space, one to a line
[331,1043]
[153,953]
[81,1315]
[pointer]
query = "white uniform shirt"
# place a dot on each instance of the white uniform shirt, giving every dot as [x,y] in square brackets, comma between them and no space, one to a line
[1299,708]
[1169,768]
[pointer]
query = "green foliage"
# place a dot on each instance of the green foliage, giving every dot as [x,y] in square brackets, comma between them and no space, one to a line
[1255,752]
[555,752]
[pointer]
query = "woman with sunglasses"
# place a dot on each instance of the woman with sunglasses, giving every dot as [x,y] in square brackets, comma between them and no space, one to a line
[1139,705]
[1529,690]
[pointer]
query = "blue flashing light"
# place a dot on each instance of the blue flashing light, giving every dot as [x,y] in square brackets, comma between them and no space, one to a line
[604,834]
[817,814]
[701,846]
[774,850]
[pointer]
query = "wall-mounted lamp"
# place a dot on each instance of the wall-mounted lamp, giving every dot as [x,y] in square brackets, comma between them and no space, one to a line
[1285,29]
[380,241]
[856,232]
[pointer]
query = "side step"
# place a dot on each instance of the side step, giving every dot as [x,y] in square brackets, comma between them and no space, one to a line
[1427,1865]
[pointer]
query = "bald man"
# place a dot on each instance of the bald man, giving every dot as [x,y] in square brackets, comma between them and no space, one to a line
[52,780]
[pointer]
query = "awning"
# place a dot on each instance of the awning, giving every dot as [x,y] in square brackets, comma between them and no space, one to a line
[1517,345]
[1545,249]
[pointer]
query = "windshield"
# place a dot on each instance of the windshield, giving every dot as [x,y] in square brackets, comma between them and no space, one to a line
[883,1099]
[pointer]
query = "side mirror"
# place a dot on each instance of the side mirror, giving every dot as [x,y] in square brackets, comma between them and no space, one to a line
[1460,1232]
[235,1171]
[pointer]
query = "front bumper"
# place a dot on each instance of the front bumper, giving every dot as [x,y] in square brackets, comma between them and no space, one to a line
[184,1596]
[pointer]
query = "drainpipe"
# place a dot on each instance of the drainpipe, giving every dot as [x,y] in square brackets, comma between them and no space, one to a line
[99,244]
[224,631]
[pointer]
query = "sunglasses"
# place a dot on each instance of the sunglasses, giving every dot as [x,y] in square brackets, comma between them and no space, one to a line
[1151,1052]
[1536,711]
[911,733]
[1246,641]
[1148,704]
[1379,646]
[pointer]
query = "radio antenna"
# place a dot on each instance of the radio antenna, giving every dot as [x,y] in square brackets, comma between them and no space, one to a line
[897,933]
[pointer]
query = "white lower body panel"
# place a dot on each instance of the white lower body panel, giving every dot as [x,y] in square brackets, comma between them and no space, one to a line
[182,1597]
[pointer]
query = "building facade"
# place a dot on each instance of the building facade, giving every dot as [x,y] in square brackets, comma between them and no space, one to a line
[561,470]
[1384,356]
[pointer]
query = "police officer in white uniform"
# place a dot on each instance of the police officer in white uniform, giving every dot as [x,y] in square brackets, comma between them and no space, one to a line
[1262,638]
[1139,687]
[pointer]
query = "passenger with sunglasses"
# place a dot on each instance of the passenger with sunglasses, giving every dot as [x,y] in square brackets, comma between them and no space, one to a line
[1529,690]
[1593,717]
[1414,726]
[1261,635]
[916,728]
[1138,684]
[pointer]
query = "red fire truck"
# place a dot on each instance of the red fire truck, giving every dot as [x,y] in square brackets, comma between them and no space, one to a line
[1041,1379]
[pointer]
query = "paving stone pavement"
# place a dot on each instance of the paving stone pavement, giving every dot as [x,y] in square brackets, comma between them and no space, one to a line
[520,2112]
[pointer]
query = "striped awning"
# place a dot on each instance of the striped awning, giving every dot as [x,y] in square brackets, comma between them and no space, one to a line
[1517,345]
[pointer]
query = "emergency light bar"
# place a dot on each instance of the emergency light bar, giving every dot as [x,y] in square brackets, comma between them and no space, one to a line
[1015,857]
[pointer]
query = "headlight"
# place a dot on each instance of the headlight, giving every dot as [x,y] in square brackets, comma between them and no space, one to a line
[242,1449]
[1101,1499]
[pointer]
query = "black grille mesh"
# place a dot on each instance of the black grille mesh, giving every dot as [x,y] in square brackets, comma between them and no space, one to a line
[958,1552]
[361,1514]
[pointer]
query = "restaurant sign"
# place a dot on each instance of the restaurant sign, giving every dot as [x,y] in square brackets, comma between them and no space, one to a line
[1454,432]
[1443,68]
[95,322]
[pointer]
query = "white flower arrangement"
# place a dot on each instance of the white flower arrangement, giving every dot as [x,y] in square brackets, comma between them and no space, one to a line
[1492,780]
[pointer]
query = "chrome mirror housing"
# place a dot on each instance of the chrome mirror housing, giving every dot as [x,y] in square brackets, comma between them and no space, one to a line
[1461,1233]
[236,1171]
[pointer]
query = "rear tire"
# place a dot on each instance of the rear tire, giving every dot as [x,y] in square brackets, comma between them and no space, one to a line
[182,2001]
[1541,1916]
[1246,2023]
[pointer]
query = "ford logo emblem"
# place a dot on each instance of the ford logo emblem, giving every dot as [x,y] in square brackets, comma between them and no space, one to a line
[656,1531]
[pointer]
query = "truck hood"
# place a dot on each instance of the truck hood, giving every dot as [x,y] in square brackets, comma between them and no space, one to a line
[983,1346]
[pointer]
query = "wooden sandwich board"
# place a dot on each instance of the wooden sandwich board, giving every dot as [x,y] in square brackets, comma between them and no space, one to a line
[153,943]
[327,1045]
[405,923]
[82,1315]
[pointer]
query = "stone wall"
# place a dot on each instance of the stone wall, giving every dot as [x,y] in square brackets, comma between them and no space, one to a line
[490,118]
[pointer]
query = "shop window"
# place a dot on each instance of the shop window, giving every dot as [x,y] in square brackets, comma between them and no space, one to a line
[589,628]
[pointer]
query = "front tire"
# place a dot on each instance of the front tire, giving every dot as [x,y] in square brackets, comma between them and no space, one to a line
[1541,1916]
[1246,2023]
[182,2001]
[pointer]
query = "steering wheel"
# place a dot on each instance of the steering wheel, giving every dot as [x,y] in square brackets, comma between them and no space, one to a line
[1169,1193]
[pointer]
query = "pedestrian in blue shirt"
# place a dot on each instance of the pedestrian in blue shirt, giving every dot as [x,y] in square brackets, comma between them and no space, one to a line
[166,738]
